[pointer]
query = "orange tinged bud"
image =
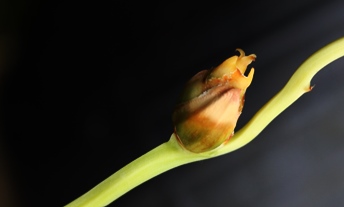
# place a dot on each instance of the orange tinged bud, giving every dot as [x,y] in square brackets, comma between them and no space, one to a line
[211,104]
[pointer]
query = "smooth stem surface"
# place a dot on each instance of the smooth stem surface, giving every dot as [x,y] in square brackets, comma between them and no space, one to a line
[297,85]
[170,155]
[162,158]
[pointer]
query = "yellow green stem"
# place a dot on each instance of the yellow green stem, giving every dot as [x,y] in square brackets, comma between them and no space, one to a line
[162,158]
[170,154]
[297,85]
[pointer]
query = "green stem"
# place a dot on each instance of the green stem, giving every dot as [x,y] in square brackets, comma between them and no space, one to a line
[162,158]
[170,155]
[297,85]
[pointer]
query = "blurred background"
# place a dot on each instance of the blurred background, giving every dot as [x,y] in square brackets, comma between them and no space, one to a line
[87,86]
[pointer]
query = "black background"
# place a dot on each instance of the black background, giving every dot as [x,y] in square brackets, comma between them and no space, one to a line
[87,87]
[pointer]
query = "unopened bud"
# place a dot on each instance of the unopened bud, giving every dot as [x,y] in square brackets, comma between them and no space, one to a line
[211,104]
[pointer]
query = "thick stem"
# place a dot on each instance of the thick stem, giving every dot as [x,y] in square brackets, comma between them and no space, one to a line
[162,158]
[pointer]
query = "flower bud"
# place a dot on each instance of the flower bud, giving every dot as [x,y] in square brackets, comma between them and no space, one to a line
[211,104]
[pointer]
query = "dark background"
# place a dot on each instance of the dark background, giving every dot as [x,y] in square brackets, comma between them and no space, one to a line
[88,86]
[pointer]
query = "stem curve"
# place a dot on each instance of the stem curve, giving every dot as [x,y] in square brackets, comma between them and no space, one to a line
[170,154]
[298,84]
